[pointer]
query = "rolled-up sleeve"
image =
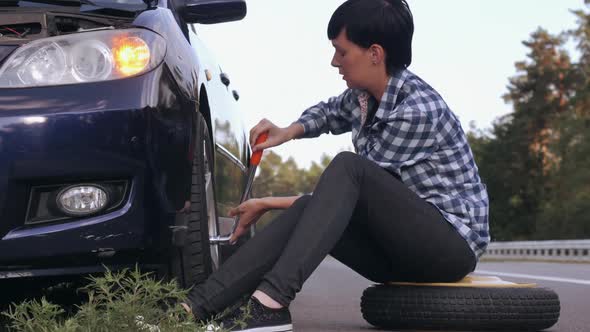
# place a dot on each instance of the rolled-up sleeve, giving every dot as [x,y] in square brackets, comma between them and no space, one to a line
[334,116]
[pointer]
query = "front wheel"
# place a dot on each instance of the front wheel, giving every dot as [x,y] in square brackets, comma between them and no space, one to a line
[195,259]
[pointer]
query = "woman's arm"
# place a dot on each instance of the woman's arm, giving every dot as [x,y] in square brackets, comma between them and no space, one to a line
[251,210]
[334,116]
[272,203]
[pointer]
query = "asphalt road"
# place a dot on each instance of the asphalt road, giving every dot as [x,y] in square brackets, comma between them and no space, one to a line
[330,300]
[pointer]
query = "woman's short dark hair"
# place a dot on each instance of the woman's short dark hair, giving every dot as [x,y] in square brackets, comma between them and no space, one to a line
[388,23]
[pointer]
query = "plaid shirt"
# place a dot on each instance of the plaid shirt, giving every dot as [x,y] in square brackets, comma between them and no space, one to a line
[413,134]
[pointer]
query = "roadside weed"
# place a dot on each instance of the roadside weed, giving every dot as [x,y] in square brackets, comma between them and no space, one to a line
[128,300]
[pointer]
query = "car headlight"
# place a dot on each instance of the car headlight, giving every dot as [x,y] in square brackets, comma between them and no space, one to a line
[83,57]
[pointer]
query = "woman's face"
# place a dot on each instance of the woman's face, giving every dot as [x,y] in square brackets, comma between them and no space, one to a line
[354,63]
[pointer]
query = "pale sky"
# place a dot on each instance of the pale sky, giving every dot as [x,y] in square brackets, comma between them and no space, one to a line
[278,57]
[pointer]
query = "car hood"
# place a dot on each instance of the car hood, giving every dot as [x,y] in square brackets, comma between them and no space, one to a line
[35,19]
[109,7]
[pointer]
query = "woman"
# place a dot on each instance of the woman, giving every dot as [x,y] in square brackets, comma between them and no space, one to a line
[409,205]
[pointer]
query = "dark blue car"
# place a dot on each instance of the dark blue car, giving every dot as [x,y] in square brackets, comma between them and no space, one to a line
[120,138]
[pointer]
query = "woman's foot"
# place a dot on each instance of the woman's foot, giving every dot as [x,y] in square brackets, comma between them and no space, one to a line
[266,300]
[251,315]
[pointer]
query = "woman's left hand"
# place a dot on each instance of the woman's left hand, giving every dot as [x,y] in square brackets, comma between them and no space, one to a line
[248,213]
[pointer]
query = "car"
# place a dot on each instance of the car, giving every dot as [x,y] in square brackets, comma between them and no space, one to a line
[121,140]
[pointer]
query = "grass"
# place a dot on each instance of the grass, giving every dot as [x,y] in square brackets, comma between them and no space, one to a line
[120,301]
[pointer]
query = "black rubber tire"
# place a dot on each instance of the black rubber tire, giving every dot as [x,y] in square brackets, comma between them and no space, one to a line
[191,263]
[460,308]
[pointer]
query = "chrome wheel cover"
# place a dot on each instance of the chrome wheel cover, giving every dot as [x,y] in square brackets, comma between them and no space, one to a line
[211,211]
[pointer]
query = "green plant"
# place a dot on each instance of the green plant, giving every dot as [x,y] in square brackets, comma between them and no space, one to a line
[120,301]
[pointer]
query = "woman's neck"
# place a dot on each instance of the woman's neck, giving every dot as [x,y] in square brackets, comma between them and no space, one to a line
[378,89]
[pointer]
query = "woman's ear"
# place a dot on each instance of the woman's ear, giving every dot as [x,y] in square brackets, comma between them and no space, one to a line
[377,54]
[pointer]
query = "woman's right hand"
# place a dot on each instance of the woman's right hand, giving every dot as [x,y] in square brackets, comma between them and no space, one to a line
[248,214]
[276,135]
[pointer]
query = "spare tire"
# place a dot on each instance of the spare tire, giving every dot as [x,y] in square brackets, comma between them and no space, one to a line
[399,306]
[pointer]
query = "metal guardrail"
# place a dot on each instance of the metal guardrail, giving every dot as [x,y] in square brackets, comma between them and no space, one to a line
[566,250]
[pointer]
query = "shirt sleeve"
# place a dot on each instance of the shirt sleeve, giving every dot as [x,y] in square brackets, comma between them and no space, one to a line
[403,139]
[334,116]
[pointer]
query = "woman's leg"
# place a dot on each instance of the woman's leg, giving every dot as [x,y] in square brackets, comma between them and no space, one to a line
[357,249]
[243,271]
[399,222]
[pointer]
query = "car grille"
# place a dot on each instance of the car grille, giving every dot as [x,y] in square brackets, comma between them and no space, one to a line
[5,51]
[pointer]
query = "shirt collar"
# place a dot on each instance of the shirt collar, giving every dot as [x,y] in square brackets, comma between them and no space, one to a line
[392,92]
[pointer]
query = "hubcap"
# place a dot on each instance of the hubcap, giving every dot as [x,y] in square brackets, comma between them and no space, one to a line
[211,212]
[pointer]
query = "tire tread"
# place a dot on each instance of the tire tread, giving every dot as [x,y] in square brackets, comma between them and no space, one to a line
[460,308]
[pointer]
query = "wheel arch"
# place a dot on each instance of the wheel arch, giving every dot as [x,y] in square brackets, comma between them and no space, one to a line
[205,109]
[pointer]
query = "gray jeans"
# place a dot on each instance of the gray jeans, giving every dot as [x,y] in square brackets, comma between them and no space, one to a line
[361,215]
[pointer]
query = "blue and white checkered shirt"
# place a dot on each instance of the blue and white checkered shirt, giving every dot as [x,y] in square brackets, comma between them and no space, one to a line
[415,135]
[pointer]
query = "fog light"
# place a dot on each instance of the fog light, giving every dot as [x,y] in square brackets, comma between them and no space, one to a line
[82,200]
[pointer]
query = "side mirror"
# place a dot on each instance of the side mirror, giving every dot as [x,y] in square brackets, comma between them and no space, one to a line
[213,11]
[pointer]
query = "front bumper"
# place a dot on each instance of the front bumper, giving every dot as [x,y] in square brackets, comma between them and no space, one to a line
[134,130]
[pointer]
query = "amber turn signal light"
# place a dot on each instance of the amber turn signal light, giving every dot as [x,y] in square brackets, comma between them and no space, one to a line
[131,54]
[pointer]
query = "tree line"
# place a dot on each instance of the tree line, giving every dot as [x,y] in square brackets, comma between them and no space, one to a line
[535,161]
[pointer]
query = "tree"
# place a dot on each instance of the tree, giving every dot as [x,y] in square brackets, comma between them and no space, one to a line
[518,159]
[565,210]
[535,160]
[285,178]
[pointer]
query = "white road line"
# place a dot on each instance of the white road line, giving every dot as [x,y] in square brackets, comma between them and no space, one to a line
[530,276]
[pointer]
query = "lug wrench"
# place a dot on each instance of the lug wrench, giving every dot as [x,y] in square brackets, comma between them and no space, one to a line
[254,161]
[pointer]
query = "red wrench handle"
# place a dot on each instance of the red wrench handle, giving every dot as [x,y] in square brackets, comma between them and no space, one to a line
[256,156]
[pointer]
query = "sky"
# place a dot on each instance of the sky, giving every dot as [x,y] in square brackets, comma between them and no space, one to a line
[278,58]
